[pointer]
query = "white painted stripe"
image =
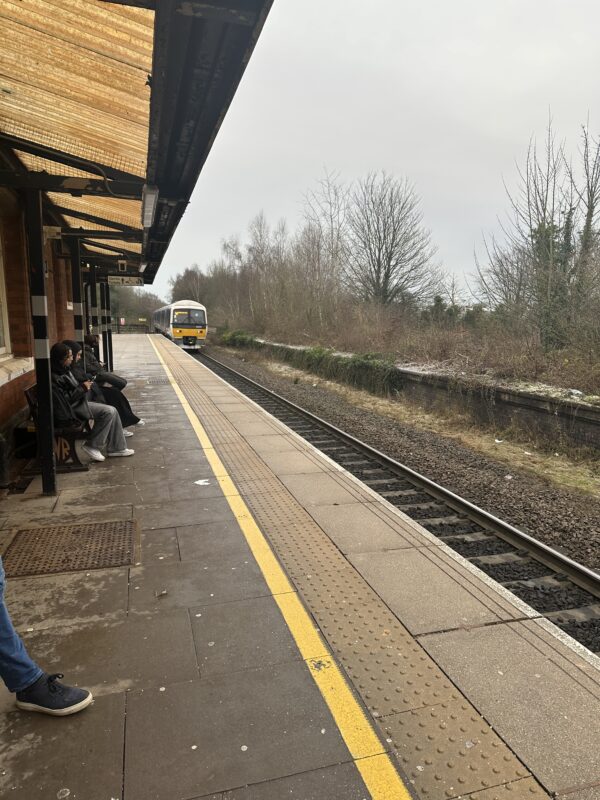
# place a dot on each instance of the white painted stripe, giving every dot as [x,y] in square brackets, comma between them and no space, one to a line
[39,305]
[41,348]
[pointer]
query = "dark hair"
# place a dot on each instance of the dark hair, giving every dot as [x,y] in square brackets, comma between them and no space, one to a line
[90,339]
[58,353]
[73,346]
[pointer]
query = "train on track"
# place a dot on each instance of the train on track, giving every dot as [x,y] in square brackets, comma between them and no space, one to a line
[184,322]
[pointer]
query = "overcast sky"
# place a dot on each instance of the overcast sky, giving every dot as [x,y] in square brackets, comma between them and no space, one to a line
[446,93]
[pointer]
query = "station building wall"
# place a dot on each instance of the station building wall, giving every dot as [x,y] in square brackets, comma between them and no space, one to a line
[16,334]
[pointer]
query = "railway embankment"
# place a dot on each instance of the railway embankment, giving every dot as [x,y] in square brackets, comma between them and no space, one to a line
[547,494]
[550,416]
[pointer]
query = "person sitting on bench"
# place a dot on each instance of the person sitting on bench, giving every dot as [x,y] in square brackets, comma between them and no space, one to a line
[102,394]
[96,368]
[66,391]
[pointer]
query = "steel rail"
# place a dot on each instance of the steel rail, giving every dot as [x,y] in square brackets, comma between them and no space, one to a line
[584,577]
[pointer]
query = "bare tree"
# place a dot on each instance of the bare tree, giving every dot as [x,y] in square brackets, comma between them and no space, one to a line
[189,285]
[390,254]
[320,247]
[546,269]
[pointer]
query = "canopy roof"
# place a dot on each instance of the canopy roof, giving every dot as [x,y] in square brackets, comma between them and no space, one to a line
[111,109]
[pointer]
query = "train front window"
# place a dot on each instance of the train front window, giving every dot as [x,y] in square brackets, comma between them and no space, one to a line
[188,316]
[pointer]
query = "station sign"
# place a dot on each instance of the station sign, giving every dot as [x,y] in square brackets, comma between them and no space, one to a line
[125,280]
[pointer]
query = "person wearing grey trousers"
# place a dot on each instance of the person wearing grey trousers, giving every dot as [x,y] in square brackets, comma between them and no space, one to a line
[71,404]
[107,432]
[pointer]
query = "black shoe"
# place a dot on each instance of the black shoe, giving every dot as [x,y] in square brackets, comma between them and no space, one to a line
[48,696]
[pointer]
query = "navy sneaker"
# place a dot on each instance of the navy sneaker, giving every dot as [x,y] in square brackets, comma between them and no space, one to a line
[48,696]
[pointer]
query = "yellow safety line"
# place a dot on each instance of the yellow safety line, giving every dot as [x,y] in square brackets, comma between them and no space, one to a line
[374,764]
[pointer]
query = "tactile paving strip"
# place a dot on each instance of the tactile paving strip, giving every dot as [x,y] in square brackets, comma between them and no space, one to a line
[70,548]
[439,736]
[448,750]
[525,789]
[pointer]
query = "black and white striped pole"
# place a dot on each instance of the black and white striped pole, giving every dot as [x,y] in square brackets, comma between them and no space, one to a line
[94,305]
[109,328]
[41,345]
[104,322]
[76,290]
[93,298]
[87,318]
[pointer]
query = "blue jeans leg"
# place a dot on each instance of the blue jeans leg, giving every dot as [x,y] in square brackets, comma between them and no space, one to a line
[17,669]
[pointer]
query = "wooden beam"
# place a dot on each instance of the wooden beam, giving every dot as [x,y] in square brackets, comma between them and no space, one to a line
[69,160]
[83,215]
[83,233]
[125,189]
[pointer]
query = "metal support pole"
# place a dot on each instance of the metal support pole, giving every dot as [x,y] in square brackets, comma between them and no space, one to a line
[41,345]
[94,306]
[76,292]
[88,317]
[103,322]
[109,329]
[93,299]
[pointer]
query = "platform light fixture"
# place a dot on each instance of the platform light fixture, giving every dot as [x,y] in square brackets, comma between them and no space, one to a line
[149,203]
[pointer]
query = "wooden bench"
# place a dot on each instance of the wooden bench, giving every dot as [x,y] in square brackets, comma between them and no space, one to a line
[65,451]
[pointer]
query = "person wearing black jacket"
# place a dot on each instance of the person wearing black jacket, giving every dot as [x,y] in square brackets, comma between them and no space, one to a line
[102,394]
[68,392]
[96,368]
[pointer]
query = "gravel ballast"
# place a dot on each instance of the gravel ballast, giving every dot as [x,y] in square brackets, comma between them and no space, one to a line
[563,519]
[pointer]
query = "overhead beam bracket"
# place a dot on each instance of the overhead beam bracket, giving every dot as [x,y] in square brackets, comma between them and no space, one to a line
[123,189]
[52,154]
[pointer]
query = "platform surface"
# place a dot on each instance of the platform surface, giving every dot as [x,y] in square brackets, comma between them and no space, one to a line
[204,686]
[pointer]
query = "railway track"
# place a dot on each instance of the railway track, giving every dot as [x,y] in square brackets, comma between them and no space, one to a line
[563,591]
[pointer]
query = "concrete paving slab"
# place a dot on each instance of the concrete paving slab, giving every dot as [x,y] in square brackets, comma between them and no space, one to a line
[116,655]
[41,757]
[47,601]
[593,793]
[242,415]
[173,456]
[296,463]
[99,478]
[525,789]
[342,782]
[160,545]
[171,474]
[321,490]
[217,579]
[98,496]
[357,528]
[230,637]
[508,661]
[200,542]
[227,731]
[24,503]
[181,443]
[398,577]
[184,512]
[189,489]
[230,404]
[66,516]
[274,443]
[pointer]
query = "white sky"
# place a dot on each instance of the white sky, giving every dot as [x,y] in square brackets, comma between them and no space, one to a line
[446,92]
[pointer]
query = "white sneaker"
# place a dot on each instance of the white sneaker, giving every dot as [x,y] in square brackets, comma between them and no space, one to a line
[123,453]
[127,433]
[141,423]
[92,452]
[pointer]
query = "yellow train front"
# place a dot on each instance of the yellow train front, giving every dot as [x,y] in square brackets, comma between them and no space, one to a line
[184,322]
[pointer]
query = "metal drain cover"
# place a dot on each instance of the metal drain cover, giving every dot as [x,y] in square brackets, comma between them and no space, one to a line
[69,548]
[158,381]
